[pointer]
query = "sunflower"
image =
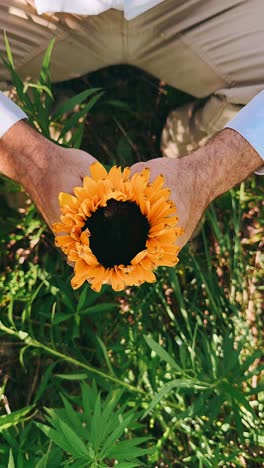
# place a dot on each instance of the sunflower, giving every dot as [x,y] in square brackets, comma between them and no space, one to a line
[117,229]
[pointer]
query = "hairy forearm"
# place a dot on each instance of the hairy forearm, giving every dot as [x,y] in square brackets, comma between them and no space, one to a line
[26,157]
[23,154]
[227,160]
[43,168]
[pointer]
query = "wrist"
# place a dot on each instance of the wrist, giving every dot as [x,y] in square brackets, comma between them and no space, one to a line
[226,160]
[24,154]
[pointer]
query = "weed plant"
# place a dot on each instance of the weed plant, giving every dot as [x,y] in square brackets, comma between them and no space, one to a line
[165,375]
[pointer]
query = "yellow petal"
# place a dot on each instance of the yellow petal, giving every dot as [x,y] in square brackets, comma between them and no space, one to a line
[137,259]
[117,283]
[60,227]
[126,173]
[145,173]
[77,281]
[84,237]
[69,200]
[115,176]
[98,171]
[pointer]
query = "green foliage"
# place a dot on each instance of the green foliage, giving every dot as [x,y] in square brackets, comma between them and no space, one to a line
[92,434]
[169,372]
[38,102]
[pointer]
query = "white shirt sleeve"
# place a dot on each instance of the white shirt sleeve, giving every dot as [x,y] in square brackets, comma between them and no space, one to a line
[132,8]
[10,113]
[249,122]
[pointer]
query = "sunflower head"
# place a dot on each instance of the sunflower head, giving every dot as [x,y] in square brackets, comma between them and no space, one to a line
[117,229]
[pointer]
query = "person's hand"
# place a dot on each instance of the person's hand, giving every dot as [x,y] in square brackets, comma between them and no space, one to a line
[65,170]
[43,168]
[188,190]
[197,179]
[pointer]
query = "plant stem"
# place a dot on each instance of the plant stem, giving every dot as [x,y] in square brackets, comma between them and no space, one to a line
[36,344]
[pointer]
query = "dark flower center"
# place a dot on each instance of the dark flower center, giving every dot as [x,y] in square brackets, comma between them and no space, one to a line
[118,232]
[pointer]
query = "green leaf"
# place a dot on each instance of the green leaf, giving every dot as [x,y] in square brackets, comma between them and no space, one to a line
[77,137]
[105,354]
[8,51]
[57,438]
[61,317]
[69,105]
[161,352]
[213,407]
[83,298]
[246,364]
[96,424]
[99,308]
[25,103]
[39,87]
[74,119]
[65,438]
[10,310]
[254,390]
[112,438]
[86,401]
[42,463]
[128,449]
[44,73]
[129,465]
[73,417]
[9,420]
[11,462]
[80,376]
[43,386]
[21,355]
[176,383]
[236,395]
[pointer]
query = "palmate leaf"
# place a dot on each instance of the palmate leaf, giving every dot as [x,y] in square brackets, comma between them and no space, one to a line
[112,438]
[65,438]
[54,416]
[74,418]
[110,415]
[130,448]
[94,433]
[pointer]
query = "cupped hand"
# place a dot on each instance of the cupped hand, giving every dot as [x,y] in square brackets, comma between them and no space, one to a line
[189,190]
[64,169]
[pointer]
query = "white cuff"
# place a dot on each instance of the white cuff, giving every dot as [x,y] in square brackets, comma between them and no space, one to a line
[10,113]
[249,122]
